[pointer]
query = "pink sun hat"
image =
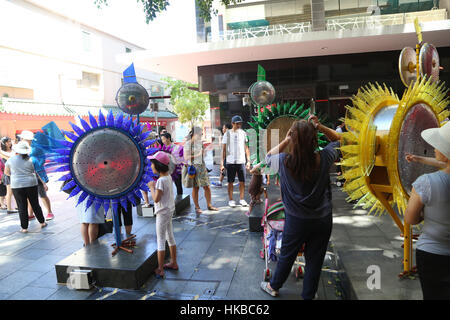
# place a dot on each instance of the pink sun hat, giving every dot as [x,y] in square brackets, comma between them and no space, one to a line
[162,157]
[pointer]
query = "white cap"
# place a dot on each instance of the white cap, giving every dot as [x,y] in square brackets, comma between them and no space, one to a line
[26,135]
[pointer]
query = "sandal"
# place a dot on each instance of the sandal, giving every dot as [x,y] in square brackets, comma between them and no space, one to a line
[170,266]
[265,287]
[159,274]
[44,225]
[147,205]
[198,210]
[211,208]
[24,231]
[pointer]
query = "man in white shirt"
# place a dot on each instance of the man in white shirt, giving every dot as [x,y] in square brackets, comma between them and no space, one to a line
[235,150]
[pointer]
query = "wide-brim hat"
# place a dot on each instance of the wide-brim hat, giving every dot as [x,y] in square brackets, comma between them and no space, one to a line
[22,148]
[439,138]
[26,135]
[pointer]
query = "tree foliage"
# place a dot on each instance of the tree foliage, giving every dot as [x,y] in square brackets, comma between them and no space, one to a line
[153,7]
[189,105]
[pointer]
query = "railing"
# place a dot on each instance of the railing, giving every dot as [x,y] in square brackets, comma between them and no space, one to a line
[385,20]
[333,24]
[264,31]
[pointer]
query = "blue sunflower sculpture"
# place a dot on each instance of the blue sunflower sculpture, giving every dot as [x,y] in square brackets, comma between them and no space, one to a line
[104,162]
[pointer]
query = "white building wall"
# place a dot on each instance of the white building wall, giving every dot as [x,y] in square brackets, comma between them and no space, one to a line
[48,53]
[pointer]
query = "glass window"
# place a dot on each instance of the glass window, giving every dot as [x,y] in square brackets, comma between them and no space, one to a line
[86,41]
[89,80]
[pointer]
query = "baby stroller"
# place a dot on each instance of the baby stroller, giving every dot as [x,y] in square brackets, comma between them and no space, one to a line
[273,226]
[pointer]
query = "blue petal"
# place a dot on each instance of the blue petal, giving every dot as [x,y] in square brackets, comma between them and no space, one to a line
[106,205]
[74,192]
[143,186]
[101,119]
[77,129]
[131,197]
[124,202]
[115,205]
[84,124]
[127,124]
[92,121]
[89,202]
[119,120]
[144,136]
[70,135]
[65,177]
[98,202]
[138,193]
[110,119]
[69,185]
[83,196]
[62,169]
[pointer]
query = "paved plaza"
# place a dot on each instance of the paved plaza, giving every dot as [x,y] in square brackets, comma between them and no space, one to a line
[217,255]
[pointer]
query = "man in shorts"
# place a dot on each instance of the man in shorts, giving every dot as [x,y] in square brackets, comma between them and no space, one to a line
[235,152]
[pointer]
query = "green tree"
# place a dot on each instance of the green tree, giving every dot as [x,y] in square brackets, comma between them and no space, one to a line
[153,7]
[190,105]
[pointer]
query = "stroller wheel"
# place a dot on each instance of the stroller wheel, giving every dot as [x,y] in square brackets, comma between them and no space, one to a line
[267,275]
[299,272]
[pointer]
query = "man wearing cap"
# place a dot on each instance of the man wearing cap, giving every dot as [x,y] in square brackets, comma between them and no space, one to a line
[235,150]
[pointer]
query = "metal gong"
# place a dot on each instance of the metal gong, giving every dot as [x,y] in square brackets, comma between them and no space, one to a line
[418,118]
[106,162]
[407,66]
[132,98]
[262,93]
[429,62]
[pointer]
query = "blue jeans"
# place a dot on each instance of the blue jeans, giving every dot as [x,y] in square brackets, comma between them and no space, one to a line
[315,233]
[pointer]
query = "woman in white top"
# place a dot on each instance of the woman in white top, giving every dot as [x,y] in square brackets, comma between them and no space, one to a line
[430,202]
[24,184]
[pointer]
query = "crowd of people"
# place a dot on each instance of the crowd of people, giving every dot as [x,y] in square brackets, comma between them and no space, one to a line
[24,180]
[304,177]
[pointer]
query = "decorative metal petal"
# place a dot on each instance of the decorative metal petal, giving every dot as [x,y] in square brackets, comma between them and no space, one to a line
[98,202]
[138,193]
[69,185]
[74,192]
[127,123]
[101,119]
[110,119]
[124,202]
[92,121]
[115,205]
[65,177]
[77,129]
[132,198]
[70,135]
[83,196]
[119,120]
[84,124]
[89,202]
[106,205]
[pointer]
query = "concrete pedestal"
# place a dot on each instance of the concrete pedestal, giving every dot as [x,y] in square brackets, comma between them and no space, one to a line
[124,270]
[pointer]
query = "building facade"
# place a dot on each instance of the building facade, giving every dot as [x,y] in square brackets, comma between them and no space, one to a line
[51,59]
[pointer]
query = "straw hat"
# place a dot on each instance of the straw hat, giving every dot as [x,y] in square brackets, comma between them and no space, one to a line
[439,138]
[22,148]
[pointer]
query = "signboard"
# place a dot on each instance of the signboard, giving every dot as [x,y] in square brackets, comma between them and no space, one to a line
[160,123]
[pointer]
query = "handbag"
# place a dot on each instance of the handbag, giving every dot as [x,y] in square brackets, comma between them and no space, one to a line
[104,228]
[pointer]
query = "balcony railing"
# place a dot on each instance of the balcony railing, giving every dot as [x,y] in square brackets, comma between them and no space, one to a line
[334,24]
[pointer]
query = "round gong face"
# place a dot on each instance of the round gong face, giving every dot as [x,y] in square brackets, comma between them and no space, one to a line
[106,162]
[274,137]
[132,98]
[418,118]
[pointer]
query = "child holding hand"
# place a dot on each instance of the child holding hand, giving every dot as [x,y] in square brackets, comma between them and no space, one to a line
[162,194]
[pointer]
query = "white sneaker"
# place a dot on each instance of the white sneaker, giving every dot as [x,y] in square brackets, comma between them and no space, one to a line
[232,203]
[243,203]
